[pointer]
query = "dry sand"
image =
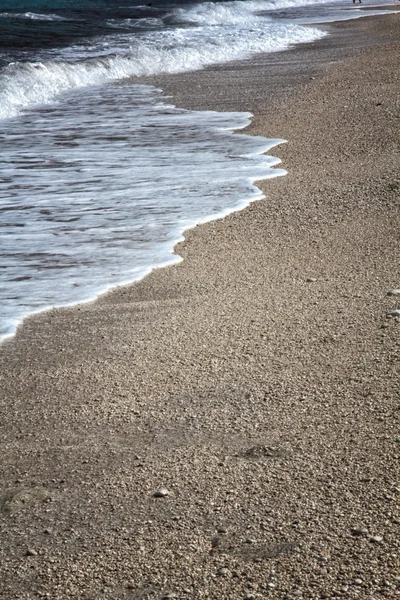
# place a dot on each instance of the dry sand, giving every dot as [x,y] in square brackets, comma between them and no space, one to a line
[258,380]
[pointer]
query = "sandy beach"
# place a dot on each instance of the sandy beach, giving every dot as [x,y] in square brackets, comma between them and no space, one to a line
[228,428]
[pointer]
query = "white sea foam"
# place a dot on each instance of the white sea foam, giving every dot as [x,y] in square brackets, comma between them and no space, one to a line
[230,32]
[91,196]
[235,12]
[32,16]
[213,13]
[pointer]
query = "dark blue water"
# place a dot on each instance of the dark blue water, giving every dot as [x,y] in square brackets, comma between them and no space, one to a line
[27,26]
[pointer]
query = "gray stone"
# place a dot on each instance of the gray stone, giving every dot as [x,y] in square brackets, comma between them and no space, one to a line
[162,492]
[223,572]
[359,530]
[31,552]
[311,279]
[395,292]
[393,313]
[376,538]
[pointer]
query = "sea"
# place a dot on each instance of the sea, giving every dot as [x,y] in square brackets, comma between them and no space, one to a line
[100,175]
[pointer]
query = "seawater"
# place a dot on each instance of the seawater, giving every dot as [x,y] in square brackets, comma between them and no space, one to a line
[100,176]
[98,193]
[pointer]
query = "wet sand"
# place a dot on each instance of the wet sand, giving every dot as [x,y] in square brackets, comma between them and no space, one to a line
[257,381]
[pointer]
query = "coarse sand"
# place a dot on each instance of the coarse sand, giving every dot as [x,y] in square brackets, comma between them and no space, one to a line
[228,428]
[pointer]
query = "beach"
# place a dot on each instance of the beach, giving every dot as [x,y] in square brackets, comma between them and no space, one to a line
[228,427]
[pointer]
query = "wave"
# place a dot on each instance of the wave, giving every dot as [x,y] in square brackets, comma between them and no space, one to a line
[168,51]
[213,13]
[232,13]
[32,16]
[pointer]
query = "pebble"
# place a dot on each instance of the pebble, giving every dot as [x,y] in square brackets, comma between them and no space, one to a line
[311,279]
[162,492]
[393,313]
[324,558]
[358,582]
[376,538]
[31,552]
[249,596]
[169,595]
[223,571]
[359,530]
[221,530]
[395,292]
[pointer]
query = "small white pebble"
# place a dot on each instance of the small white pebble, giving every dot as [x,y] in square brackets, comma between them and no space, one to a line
[162,492]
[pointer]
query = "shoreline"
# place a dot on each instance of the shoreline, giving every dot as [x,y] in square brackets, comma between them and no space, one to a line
[256,380]
[192,90]
[171,258]
[186,102]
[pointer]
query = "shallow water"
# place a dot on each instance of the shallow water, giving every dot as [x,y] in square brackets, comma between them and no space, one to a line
[97,191]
